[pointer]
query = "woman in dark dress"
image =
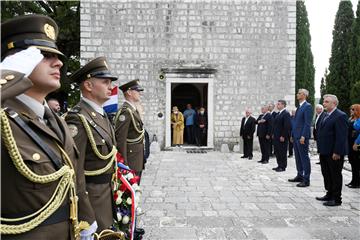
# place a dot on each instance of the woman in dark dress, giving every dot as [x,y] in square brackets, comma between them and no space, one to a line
[354,156]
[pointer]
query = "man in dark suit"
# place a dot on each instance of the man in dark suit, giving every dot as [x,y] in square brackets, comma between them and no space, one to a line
[264,122]
[301,135]
[291,145]
[332,144]
[247,130]
[319,109]
[273,114]
[281,135]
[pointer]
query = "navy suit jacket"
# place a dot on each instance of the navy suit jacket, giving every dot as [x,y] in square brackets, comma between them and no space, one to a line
[264,128]
[302,121]
[282,125]
[332,134]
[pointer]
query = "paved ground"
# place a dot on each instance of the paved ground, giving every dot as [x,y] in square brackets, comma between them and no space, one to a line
[222,196]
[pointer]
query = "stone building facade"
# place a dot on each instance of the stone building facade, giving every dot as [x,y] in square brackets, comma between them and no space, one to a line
[223,55]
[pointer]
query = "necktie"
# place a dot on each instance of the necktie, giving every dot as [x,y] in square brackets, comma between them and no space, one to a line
[52,123]
[325,117]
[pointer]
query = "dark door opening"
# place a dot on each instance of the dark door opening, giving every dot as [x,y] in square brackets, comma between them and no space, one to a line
[194,94]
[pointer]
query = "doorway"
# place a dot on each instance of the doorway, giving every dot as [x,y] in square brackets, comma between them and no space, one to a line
[196,91]
[195,94]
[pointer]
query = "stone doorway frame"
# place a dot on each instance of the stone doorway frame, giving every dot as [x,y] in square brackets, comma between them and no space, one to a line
[209,108]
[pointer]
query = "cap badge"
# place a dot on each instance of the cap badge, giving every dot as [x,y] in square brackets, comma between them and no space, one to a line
[49,31]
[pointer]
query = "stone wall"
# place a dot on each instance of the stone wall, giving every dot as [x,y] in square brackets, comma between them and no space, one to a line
[251,44]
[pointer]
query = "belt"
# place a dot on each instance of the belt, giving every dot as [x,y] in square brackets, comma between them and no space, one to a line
[99,179]
[62,214]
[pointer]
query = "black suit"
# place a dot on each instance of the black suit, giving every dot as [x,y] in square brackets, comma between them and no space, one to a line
[264,129]
[272,149]
[247,133]
[281,128]
[332,138]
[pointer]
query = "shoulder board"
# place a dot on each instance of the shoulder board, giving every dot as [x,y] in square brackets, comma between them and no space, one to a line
[75,109]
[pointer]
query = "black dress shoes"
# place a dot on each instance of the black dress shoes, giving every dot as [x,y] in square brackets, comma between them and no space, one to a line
[244,156]
[324,198]
[317,163]
[280,169]
[275,168]
[347,184]
[295,179]
[250,157]
[265,162]
[260,161]
[303,184]
[353,186]
[138,233]
[332,203]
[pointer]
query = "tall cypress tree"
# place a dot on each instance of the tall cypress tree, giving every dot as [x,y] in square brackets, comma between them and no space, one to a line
[354,53]
[323,86]
[338,80]
[305,71]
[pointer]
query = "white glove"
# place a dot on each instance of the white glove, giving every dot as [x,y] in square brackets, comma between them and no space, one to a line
[24,61]
[88,234]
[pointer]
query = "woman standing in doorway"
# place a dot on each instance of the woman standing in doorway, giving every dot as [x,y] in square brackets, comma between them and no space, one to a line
[177,122]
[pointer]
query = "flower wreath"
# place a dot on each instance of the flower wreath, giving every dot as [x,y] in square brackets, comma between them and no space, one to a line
[126,193]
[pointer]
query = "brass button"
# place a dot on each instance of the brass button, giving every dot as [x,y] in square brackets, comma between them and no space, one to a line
[103,140]
[9,77]
[130,150]
[3,81]
[94,114]
[36,156]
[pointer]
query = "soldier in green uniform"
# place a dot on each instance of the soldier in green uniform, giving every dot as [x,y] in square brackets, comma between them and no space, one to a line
[94,136]
[129,128]
[43,192]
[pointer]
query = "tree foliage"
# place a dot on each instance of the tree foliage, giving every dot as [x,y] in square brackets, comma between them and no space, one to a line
[338,81]
[354,53]
[305,71]
[67,15]
[323,85]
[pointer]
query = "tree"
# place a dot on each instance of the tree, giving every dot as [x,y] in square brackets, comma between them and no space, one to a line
[354,53]
[305,71]
[323,86]
[67,15]
[338,80]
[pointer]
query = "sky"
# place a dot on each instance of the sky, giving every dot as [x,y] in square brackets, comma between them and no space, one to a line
[321,15]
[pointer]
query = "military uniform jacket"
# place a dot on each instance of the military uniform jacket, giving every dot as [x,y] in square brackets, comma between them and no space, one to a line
[100,192]
[20,196]
[129,141]
[13,83]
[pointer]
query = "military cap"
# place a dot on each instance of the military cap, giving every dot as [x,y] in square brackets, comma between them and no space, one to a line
[29,30]
[96,68]
[132,85]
